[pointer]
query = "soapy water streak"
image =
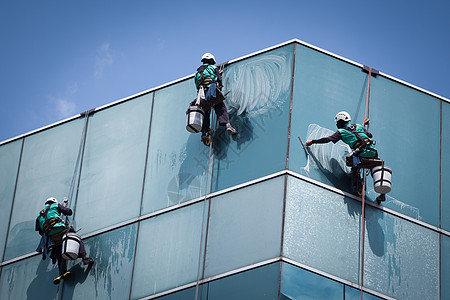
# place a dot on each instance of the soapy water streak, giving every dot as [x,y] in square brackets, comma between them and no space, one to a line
[330,156]
[255,86]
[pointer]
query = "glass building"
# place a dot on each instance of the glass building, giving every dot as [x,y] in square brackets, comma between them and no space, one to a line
[252,217]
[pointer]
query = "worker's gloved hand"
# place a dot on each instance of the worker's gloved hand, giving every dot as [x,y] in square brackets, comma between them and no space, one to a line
[309,143]
[366,122]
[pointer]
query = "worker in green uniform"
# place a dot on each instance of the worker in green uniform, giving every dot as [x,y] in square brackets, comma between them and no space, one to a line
[359,140]
[52,228]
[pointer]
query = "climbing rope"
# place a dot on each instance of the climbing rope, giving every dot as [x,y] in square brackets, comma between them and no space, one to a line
[365,123]
[204,211]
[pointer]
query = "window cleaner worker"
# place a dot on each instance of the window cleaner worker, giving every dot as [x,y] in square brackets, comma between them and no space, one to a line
[209,77]
[52,228]
[357,137]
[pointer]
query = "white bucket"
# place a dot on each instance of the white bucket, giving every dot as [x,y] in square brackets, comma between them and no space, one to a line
[194,118]
[382,179]
[70,245]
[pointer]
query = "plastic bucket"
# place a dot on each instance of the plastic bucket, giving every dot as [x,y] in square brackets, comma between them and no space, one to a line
[382,179]
[70,245]
[194,118]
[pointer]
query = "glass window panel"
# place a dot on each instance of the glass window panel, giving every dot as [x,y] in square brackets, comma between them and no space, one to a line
[187,294]
[177,160]
[110,275]
[245,227]
[113,165]
[259,283]
[322,229]
[325,85]
[46,170]
[445,267]
[401,259]
[297,283]
[445,209]
[9,163]
[258,93]
[355,294]
[31,278]
[167,254]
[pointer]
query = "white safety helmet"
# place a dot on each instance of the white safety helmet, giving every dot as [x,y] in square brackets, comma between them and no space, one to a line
[51,200]
[208,56]
[344,116]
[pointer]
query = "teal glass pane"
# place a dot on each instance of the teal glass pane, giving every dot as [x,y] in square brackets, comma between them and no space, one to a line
[29,279]
[9,163]
[355,294]
[323,86]
[47,167]
[110,275]
[187,294]
[177,160]
[245,227]
[322,229]
[445,209]
[113,165]
[401,259]
[167,254]
[257,93]
[297,283]
[445,267]
[260,283]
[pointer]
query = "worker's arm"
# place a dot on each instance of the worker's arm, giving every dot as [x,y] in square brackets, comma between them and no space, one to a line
[64,210]
[335,137]
[38,228]
[219,76]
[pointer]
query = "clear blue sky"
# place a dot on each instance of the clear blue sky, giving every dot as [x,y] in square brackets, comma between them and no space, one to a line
[59,58]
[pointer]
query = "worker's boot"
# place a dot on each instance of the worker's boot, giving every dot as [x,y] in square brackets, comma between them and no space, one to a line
[381,198]
[230,129]
[87,260]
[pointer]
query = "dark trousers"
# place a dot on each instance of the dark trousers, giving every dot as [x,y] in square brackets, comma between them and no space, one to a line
[220,109]
[57,250]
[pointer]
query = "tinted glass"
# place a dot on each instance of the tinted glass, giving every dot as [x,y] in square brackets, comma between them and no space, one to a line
[113,165]
[110,275]
[29,279]
[297,283]
[324,86]
[245,227]
[257,96]
[322,229]
[177,160]
[46,170]
[259,283]
[445,267]
[354,294]
[9,163]
[401,259]
[445,209]
[167,254]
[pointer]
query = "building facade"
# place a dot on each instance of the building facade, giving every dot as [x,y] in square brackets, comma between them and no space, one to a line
[251,217]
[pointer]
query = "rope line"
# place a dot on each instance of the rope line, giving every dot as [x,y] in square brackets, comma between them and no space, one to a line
[366,116]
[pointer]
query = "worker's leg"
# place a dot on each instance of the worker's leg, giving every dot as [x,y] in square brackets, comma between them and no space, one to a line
[82,255]
[222,115]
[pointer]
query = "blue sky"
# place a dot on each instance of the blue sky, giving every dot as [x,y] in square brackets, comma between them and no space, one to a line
[60,58]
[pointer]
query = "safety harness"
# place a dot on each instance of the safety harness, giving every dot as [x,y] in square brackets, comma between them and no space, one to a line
[202,81]
[362,143]
[49,223]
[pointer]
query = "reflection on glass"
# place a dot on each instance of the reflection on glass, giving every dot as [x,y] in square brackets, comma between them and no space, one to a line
[260,283]
[354,294]
[297,283]
[258,96]
[46,170]
[322,229]
[9,163]
[177,160]
[113,165]
[401,259]
[110,275]
[29,279]
[167,254]
[245,227]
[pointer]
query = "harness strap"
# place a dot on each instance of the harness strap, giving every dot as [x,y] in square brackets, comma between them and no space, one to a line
[361,143]
[49,223]
[202,80]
